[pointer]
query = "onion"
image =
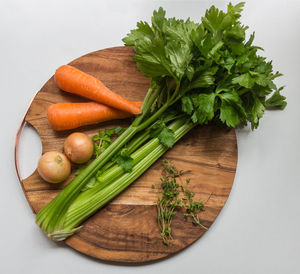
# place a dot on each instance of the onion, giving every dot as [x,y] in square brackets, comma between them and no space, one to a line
[54,167]
[79,147]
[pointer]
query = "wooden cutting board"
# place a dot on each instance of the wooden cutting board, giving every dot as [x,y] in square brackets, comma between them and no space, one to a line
[126,229]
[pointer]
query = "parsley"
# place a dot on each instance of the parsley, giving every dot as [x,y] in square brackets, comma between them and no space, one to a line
[103,139]
[218,74]
[163,133]
[276,100]
[124,160]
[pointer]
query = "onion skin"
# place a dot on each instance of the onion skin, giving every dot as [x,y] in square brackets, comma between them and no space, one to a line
[79,147]
[54,167]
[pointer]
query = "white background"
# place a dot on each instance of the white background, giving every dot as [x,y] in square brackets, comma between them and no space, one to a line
[258,230]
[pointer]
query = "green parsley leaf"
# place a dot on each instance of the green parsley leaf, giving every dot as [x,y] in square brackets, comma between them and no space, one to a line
[102,140]
[143,30]
[257,112]
[96,149]
[205,79]
[236,10]
[109,132]
[276,100]
[197,36]
[213,19]
[150,58]
[163,133]
[156,129]
[158,19]
[178,30]
[179,56]
[104,145]
[232,113]
[237,32]
[214,71]
[229,115]
[166,137]
[244,80]
[204,105]
[119,130]
[124,160]
[187,105]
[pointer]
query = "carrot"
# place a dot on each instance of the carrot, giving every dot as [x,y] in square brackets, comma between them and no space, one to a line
[63,116]
[75,81]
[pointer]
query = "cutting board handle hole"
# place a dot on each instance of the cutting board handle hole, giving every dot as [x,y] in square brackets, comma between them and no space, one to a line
[28,150]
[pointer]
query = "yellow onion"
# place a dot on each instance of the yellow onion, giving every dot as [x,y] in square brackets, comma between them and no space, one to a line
[54,167]
[79,147]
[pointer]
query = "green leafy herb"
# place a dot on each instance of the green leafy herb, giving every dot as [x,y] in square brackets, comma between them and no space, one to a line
[119,130]
[124,160]
[276,100]
[219,72]
[192,209]
[103,139]
[163,133]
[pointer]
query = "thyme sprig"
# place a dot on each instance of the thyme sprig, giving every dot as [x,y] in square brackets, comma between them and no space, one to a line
[174,197]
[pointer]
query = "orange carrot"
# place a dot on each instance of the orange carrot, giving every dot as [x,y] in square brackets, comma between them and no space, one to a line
[63,116]
[75,81]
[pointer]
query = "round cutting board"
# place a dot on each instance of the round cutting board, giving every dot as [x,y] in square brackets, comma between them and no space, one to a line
[126,229]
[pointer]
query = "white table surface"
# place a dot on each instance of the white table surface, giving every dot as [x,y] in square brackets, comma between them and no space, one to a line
[258,231]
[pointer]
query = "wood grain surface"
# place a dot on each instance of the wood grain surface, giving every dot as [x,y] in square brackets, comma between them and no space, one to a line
[126,231]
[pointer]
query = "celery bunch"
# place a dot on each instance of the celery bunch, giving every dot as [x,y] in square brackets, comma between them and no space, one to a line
[200,72]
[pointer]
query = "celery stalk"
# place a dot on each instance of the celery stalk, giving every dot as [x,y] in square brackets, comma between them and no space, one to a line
[86,205]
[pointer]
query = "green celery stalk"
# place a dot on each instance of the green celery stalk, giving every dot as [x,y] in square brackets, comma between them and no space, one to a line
[131,147]
[88,202]
[114,172]
[51,217]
